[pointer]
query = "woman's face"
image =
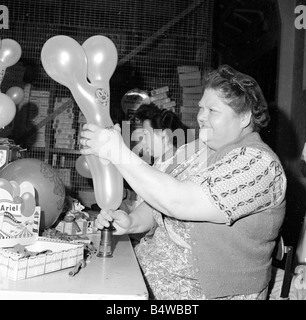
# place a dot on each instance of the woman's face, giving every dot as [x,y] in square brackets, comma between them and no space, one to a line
[219,124]
[153,139]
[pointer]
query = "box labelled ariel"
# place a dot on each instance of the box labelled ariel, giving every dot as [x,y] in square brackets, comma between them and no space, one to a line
[23,253]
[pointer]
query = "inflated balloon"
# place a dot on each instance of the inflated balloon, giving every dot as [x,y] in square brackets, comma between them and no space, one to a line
[16,94]
[16,188]
[26,186]
[131,100]
[49,188]
[102,59]
[10,53]
[301,247]
[6,185]
[7,110]
[70,64]
[82,167]
[28,204]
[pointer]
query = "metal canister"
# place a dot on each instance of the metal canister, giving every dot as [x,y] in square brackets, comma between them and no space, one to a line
[105,248]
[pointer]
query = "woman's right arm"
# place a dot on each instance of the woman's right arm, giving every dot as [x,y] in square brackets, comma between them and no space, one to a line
[138,221]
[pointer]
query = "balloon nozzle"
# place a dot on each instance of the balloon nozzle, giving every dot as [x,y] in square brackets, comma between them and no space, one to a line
[105,248]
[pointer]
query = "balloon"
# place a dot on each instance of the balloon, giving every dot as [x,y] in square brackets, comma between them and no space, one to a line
[49,188]
[16,188]
[16,94]
[6,185]
[70,64]
[26,186]
[301,246]
[7,110]
[133,99]
[82,167]
[10,53]
[102,58]
[28,205]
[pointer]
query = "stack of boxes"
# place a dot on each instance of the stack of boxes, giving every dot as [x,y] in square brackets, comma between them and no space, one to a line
[64,133]
[38,111]
[160,97]
[64,137]
[26,98]
[191,83]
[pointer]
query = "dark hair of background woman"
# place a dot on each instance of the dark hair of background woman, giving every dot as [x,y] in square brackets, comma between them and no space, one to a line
[160,118]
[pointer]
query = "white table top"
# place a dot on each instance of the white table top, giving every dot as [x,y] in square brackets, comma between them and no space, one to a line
[113,278]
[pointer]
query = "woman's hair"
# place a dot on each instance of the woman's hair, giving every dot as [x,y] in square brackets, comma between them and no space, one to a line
[241,92]
[160,118]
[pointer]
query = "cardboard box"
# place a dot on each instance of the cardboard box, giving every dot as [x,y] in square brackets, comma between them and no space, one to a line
[190,75]
[23,254]
[77,227]
[159,90]
[183,69]
[190,82]
[159,97]
[55,255]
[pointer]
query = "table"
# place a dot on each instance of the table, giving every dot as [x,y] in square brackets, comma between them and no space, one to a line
[116,278]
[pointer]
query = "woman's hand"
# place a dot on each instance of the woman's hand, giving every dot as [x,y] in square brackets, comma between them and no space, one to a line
[104,143]
[120,219]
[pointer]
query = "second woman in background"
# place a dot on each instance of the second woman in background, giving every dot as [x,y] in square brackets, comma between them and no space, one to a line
[163,132]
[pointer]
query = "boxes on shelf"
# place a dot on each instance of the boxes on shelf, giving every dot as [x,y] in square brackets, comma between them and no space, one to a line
[159,97]
[190,80]
[23,254]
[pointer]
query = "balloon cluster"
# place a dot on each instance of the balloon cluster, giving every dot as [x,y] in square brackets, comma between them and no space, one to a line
[86,70]
[10,53]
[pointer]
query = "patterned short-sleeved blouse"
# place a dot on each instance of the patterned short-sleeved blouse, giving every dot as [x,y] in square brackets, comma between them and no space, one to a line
[166,259]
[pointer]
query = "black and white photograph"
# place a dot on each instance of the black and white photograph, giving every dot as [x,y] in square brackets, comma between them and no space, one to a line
[153,151]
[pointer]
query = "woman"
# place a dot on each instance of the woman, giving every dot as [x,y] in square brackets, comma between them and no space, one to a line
[163,132]
[218,223]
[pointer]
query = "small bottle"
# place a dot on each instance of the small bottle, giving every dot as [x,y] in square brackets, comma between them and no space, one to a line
[62,163]
[105,248]
[54,160]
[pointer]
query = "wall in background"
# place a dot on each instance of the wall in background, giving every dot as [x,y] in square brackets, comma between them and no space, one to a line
[153,38]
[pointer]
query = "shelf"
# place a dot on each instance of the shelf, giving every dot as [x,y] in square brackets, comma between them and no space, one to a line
[54,150]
